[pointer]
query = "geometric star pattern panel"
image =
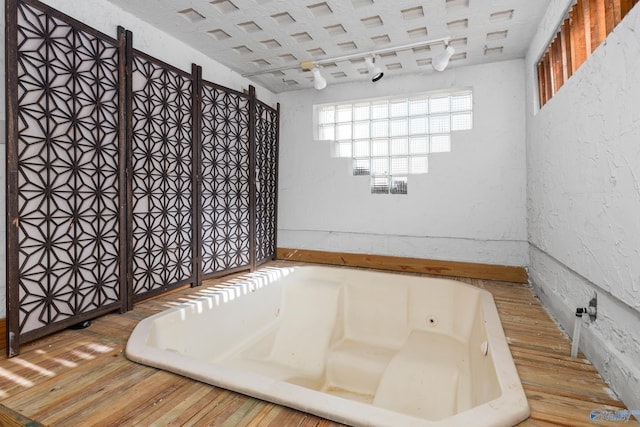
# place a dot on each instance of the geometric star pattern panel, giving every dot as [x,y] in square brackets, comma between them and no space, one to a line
[266,186]
[66,148]
[105,191]
[225,180]
[162,177]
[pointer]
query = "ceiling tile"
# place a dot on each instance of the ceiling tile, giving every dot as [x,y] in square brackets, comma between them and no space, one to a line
[421,49]
[301,37]
[346,46]
[249,27]
[261,62]
[497,35]
[361,3]
[490,51]
[505,15]
[417,32]
[320,9]
[192,15]
[283,18]
[412,13]
[224,6]
[219,34]
[459,42]
[372,21]
[381,39]
[270,44]
[242,50]
[287,57]
[240,34]
[459,56]
[450,4]
[460,24]
[335,30]
[317,52]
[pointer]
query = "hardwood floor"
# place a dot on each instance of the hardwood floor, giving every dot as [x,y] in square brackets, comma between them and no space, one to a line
[81,378]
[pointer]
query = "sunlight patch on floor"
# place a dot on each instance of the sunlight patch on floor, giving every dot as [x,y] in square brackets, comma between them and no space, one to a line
[32,366]
[15,378]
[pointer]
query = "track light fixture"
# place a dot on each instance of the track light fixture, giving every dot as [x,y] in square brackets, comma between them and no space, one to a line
[375,72]
[439,62]
[319,82]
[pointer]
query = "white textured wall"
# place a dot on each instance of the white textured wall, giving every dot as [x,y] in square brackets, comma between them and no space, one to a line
[104,16]
[583,166]
[471,205]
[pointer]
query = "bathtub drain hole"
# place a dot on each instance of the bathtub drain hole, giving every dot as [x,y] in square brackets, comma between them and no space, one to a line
[432,320]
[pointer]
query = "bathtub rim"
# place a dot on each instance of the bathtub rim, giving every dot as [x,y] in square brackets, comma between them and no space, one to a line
[511,405]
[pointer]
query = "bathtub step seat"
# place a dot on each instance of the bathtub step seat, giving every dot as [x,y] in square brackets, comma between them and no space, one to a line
[423,378]
[297,351]
[355,368]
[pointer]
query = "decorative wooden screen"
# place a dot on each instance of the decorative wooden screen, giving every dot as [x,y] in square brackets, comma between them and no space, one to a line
[126,177]
[266,181]
[63,170]
[161,178]
[225,210]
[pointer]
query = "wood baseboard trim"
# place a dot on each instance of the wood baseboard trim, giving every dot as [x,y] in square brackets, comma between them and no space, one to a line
[503,273]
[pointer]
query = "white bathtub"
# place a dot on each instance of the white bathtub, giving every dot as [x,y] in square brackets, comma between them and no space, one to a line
[358,347]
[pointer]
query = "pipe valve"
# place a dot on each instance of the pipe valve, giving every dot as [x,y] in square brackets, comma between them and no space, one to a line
[592,310]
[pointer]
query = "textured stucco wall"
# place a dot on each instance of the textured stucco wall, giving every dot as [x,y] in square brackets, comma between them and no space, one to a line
[583,188]
[471,205]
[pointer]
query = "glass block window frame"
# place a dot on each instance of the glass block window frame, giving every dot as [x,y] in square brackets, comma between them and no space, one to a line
[389,139]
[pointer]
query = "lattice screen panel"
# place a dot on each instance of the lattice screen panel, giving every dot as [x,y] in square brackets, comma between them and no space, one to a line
[117,179]
[67,172]
[266,181]
[225,180]
[162,177]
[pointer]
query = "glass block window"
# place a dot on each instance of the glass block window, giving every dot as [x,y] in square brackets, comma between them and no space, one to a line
[392,138]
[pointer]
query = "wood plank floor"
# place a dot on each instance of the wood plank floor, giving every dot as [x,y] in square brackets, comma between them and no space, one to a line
[78,378]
